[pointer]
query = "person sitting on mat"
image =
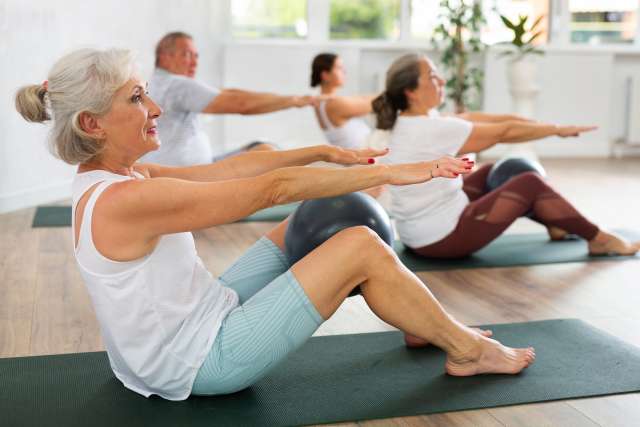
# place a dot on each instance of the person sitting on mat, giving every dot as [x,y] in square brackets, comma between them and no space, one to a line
[169,327]
[454,218]
[182,98]
[340,117]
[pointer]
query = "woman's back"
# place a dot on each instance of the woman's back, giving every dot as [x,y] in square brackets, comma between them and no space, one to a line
[353,133]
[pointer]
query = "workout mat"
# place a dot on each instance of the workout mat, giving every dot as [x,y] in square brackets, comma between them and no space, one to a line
[514,250]
[52,216]
[60,216]
[330,379]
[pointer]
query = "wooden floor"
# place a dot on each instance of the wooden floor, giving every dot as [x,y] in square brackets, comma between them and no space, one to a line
[44,308]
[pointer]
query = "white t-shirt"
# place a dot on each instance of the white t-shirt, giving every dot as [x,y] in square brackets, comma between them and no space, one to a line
[159,314]
[183,142]
[425,213]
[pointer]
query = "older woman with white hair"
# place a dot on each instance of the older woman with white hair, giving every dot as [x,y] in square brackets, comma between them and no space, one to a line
[169,327]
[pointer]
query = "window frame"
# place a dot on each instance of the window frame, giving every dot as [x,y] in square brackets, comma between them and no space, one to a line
[318,31]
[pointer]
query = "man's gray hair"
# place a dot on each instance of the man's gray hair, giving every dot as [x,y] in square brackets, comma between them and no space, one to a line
[167,44]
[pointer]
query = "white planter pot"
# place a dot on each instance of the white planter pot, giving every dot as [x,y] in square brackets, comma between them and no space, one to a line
[522,75]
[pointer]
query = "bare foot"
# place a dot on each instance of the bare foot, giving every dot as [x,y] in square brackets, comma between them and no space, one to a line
[490,357]
[556,233]
[415,342]
[609,244]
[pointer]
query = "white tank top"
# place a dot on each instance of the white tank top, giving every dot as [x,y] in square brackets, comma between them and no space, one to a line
[352,134]
[159,314]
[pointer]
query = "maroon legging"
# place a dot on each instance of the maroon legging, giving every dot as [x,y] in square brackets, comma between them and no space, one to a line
[490,213]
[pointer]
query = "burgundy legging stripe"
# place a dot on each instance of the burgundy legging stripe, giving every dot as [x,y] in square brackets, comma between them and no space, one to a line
[490,213]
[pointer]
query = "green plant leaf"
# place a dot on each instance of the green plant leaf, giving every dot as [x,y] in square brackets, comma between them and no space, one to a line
[508,23]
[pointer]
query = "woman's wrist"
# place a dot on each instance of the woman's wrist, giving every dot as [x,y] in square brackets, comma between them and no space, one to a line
[384,172]
[320,153]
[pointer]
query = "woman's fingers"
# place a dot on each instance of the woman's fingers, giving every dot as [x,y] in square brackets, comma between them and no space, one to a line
[372,152]
[575,130]
[449,167]
[354,157]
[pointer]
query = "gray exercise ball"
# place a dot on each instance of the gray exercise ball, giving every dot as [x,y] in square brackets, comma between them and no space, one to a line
[505,169]
[315,221]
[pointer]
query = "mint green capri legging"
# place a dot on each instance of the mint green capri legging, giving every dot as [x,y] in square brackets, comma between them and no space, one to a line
[274,318]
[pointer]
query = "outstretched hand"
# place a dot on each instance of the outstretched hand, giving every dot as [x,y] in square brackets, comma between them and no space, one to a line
[567,131]
[305,101]
[414,173]
[345,156]
[309,100]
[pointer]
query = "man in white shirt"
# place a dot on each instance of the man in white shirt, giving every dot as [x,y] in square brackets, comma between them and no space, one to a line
[182,98]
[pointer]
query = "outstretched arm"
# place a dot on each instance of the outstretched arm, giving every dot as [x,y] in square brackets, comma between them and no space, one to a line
[130,216]
[235,101]
[255,163]
[342,108]
[486,135]
[481,117]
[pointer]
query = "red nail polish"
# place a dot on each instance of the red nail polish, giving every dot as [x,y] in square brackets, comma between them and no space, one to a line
[456,174]
[371,161]
[465,158]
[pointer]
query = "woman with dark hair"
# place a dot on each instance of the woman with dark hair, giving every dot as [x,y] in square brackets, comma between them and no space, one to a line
[454,218]
[340,117]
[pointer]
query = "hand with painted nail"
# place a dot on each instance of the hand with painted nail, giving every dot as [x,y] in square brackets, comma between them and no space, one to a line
[414,173]
[451,167]
[345,156]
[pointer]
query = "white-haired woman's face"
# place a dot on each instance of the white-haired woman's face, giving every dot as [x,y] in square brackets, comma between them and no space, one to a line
[130,125]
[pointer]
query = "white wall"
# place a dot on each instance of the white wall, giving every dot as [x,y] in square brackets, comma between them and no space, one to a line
[34,33]
[579,85]
[575,88]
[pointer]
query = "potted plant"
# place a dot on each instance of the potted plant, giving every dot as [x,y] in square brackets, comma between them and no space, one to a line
[522,69]
[456,37]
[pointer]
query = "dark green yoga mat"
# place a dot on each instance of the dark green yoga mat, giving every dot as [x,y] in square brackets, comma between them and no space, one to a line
[60,216]
[514,250]
[52,216]
[330,379]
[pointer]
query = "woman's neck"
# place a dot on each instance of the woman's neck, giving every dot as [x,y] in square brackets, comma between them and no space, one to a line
[328,90]
[109,165]
[416,110]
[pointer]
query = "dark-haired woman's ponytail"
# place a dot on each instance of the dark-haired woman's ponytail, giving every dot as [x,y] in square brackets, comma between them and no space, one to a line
[386,113]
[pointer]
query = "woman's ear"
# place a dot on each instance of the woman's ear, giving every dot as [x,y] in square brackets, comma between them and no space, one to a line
[90,125]
[410,94]
[324,75]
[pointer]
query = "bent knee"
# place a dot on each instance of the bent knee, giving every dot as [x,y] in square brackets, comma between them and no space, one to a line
[528,179]
[363,240]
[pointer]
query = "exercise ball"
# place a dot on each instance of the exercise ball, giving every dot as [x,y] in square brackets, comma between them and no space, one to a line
[317,220]
[505,169]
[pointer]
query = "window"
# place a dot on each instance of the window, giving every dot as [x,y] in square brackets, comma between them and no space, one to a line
[365,19]
[424,16]
[495,31]
[597,21]
[269,18]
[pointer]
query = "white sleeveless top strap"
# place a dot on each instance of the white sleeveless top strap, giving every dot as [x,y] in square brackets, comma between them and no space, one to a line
[352,134]
[158,314]
[324,118]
